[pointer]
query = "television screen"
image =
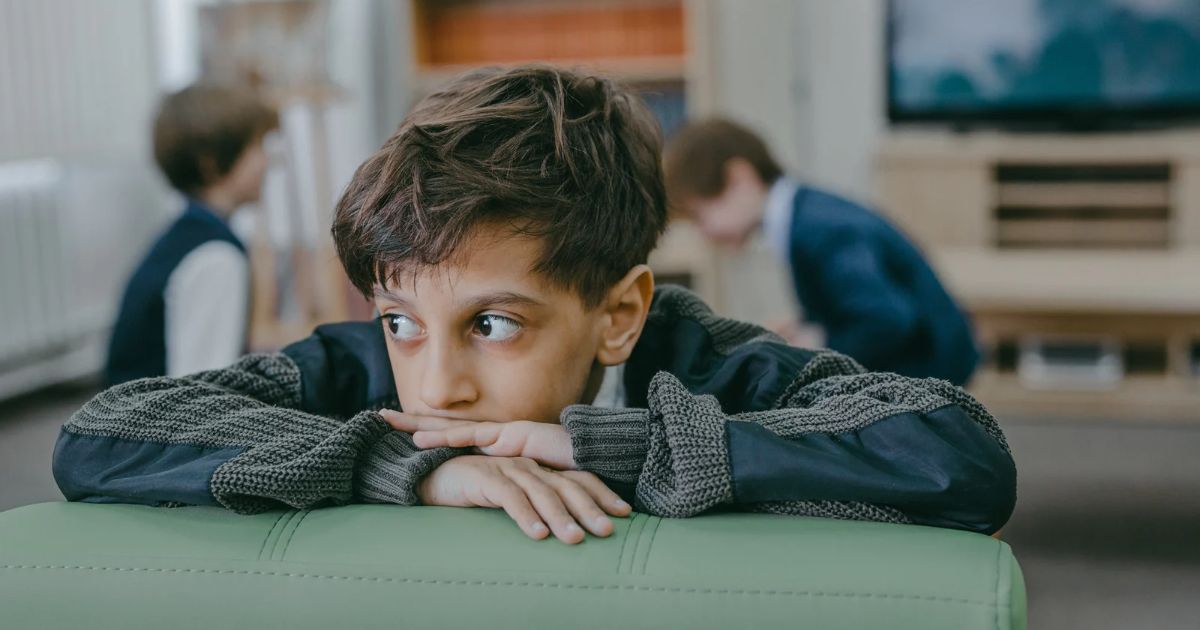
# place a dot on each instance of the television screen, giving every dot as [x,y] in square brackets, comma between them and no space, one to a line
[1122,62]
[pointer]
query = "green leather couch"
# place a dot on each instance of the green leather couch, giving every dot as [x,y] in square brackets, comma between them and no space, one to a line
[70,565]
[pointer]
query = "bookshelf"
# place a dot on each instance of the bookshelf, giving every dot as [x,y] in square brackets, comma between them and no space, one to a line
[474,32]
[642,43]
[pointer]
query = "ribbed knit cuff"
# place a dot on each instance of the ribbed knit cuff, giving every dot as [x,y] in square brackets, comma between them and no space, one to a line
[610,443]
[687,467]
[391,469]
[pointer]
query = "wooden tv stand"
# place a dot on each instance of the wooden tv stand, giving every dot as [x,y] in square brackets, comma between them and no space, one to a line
[1089,243]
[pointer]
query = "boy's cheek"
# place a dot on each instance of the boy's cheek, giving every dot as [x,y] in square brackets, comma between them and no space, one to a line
[534,384]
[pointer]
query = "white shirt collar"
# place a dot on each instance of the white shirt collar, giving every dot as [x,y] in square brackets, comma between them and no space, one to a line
[612,388]
[777,216]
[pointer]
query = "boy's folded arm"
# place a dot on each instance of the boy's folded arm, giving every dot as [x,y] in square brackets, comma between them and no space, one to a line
[235,437]
[869,446]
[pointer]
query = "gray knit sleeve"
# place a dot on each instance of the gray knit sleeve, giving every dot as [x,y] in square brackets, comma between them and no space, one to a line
[841,442]
[675,451]
[233,437]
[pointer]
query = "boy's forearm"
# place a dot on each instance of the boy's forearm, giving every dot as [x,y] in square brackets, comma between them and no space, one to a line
[844,443]
[680,465]
[232,437]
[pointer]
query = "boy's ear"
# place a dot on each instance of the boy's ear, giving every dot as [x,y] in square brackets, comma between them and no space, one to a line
[625,311]
[209,173]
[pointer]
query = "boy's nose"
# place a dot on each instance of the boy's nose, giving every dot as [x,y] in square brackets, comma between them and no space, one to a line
[446,383]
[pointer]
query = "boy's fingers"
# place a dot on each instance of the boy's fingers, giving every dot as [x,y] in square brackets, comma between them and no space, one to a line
[610,501]
[513,500]
[473,434]
[548,505]
[580,502]
[410,423]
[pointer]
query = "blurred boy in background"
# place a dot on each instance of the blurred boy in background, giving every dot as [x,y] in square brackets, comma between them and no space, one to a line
[186,306]
[855,275]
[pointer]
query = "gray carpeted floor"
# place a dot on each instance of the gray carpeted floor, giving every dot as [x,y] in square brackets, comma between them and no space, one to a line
[1107,527]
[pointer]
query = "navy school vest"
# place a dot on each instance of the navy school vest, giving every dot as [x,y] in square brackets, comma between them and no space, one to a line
[138,347]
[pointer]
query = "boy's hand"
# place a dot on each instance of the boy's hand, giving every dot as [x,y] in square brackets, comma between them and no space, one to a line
[547,444]
[533,496]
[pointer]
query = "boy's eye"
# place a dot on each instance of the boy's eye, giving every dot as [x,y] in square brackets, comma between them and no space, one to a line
[496,327]
[402,327]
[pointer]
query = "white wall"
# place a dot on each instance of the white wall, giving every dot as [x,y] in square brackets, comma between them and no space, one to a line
[77,92]
[77,85]
[76,79]
[808,76]
[845,90]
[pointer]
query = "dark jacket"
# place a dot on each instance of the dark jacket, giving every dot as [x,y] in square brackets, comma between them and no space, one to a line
[721,415]
[872,291]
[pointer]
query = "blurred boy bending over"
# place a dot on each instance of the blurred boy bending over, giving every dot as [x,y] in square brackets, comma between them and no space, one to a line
[186,306]
[525,360]
[856,276]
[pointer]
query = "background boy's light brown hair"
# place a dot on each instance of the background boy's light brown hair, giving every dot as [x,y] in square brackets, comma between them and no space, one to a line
[696,158]
[200,131]
[567,157]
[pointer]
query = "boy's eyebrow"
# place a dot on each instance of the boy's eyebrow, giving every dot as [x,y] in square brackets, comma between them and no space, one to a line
[497,298]
[503,298]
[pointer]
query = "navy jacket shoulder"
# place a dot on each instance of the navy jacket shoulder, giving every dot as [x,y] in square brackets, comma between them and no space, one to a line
[874,293]
[344,369]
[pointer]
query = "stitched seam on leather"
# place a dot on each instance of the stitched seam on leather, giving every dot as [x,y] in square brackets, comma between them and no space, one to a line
[639,524]
[996,568]
[263,547]
[562,585]
[637,546]
[649,545]
[625,541]
[283,552]
[275,545]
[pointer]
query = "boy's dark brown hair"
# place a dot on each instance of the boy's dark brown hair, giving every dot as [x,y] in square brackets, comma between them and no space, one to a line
[200,131]
[696,158]
[567,157]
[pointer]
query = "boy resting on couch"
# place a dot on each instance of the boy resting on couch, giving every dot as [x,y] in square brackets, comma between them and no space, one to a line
[523,359]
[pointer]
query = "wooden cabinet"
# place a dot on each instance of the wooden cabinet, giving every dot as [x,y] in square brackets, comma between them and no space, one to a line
[1089,239]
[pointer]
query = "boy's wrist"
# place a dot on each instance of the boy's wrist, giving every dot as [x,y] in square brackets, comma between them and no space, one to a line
[610,443]
[393,467]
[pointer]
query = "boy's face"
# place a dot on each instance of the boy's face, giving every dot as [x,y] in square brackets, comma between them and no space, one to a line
[245,178]
[730,217]
[488,339]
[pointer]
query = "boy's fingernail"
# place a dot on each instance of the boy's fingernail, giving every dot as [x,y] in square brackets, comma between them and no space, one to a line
[622,505]
[538,528]
[600,522]
[573,529]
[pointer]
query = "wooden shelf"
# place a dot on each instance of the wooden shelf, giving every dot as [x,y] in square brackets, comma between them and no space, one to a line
[486,32]
[1135,399]
[1072,281]
[995,146]
[1072,195]
[665,69]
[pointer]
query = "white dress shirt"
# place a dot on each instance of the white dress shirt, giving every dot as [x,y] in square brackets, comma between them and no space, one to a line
[777,217]
[206,309]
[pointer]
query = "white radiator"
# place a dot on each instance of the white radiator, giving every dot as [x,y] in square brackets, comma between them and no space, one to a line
[68,238]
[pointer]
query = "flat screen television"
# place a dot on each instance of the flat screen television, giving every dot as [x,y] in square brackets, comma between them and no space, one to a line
[1061,64]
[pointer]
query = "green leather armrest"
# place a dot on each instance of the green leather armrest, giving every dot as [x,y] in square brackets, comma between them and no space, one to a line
[71,565]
